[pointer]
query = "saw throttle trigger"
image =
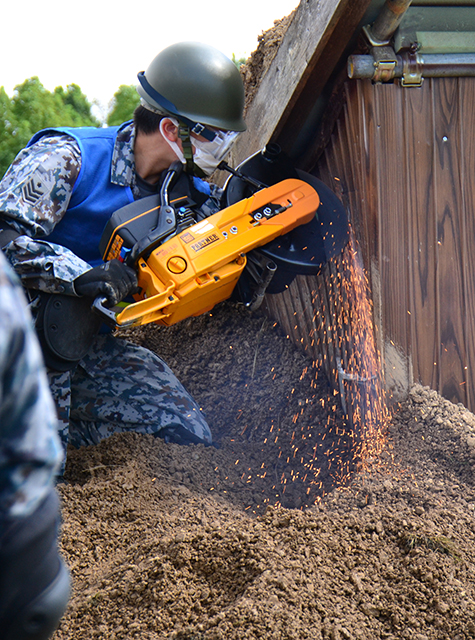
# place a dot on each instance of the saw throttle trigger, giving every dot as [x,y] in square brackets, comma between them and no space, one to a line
[269,211]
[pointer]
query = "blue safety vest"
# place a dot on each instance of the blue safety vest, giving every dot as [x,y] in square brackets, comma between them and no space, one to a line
[94,198]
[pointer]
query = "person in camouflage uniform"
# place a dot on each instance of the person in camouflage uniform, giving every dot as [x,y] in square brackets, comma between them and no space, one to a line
[34,584]
[55,200]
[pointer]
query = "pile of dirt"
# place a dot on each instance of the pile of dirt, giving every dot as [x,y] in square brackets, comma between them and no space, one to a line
[259,61]
[189,543]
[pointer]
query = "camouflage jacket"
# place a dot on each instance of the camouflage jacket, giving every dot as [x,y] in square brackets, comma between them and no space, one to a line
[30,449]
[35,194]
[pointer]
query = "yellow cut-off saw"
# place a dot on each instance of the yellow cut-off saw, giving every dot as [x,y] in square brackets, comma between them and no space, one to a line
[186,265]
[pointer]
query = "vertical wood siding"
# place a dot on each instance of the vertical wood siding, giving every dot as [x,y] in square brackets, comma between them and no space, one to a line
[330,316]
[404,162]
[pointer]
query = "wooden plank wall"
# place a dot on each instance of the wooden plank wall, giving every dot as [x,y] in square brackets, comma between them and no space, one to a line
[403,160]
[330,316]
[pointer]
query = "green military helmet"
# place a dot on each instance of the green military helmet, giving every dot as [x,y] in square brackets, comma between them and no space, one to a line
[196,83]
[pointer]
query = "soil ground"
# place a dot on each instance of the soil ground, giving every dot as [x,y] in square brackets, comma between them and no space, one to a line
[168,541]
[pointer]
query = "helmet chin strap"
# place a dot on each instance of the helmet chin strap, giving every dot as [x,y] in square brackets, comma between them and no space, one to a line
[184,154]
[190,166]
[185,137]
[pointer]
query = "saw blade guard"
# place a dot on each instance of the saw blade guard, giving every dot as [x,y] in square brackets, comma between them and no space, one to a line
[305,249]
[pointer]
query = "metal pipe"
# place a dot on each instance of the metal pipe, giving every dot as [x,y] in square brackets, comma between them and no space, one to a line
[259,293]
[429,65]
[444,3]
[388,20]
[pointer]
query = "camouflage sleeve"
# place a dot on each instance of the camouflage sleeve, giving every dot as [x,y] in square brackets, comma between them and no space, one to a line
[44,265]
[34,196]
[30,450]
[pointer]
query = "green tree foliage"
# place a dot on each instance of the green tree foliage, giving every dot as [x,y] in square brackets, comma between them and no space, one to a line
[239,61]
[77,105]
[32,108]
[123,105]
[9,132]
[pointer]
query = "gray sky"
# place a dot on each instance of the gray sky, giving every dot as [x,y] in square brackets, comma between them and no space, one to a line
[100,45]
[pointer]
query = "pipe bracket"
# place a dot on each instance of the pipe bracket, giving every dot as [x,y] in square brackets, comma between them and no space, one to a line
[412,70]
[385,62]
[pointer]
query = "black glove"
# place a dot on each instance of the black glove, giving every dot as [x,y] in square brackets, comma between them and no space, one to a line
[114,280]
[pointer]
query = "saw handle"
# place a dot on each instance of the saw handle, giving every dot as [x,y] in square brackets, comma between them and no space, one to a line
[107,315]
[173,173]
[166,219]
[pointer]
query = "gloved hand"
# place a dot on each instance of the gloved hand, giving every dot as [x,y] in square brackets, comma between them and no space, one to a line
[114,280]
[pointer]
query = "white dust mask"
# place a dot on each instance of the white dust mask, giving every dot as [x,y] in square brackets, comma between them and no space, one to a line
[208,154]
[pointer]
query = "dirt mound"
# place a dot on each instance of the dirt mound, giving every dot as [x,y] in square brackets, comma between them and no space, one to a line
[278,430]
[178,542]
[259,61]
